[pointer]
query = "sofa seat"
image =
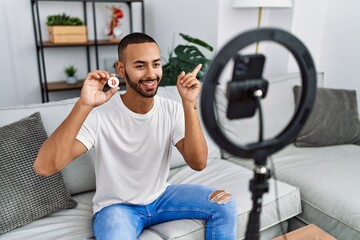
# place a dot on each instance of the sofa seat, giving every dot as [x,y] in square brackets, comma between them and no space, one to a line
[67,224]
[77,223]
[328,180]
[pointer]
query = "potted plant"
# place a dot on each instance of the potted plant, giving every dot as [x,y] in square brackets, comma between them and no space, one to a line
[70,73]
[185,58]
[65,29]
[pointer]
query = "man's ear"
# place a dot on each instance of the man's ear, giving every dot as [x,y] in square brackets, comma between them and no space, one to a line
[120,69]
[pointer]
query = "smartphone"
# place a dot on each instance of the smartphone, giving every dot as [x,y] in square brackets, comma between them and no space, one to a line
[246,79]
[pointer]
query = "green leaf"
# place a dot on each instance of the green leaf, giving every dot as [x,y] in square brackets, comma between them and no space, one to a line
[70,70]
[63,20]
[197,41]
[189,53]
[184,58]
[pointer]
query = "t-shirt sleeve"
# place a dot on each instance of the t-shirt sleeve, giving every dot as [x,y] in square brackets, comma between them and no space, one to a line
[179,127]
[87,132]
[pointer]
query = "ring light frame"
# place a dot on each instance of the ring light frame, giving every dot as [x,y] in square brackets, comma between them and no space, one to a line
[260,150]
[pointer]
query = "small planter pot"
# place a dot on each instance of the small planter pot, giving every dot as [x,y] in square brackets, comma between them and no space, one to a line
[71,80]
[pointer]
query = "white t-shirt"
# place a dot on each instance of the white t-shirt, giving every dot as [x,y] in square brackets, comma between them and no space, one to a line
[132,151]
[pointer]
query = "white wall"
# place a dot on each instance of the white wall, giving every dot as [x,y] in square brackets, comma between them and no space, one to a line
[328,29]
[340,57]
[233,22]
[19,77]
[165,19]
[308,25]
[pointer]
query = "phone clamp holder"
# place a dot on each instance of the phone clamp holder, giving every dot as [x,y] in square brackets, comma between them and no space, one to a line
[247,84]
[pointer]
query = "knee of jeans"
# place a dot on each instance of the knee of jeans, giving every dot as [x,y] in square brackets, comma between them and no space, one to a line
[225,201]
[220,197]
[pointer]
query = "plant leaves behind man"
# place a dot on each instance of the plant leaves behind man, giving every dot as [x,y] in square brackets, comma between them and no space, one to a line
[63,20]
[197,41]
[186,58]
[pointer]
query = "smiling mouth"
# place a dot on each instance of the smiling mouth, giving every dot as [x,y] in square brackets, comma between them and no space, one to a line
[149,84]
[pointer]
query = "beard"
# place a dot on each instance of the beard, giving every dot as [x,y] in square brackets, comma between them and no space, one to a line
[137,88]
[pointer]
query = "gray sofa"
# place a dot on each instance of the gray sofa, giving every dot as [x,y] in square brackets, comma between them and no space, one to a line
[297,178]
[322,162]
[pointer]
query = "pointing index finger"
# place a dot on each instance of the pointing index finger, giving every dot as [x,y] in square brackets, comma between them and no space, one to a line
[196,70]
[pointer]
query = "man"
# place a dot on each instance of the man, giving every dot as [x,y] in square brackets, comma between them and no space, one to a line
[132,135]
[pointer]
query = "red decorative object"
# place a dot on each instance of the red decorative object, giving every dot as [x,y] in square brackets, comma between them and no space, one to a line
[117,13]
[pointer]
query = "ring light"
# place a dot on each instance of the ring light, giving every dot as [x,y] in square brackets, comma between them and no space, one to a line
[260,150]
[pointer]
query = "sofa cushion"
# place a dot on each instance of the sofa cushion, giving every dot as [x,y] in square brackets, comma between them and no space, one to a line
[68,224]
[334,119]
[327,178]
[79,176]
[25,196]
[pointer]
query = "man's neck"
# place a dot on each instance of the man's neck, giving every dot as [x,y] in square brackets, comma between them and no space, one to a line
[137,103]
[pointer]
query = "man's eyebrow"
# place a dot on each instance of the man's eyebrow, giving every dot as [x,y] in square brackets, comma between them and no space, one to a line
[143,62]
[139,62]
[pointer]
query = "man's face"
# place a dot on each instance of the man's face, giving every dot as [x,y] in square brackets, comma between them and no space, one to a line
[142,68]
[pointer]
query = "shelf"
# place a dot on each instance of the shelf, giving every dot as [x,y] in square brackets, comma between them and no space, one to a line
[64,86]
[88,43]
[91,47]
[120,1]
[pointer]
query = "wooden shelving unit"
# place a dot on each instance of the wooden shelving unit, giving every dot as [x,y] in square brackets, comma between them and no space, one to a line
[63,86]
[92,44]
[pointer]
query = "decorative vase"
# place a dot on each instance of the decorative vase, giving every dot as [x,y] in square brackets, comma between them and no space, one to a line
[71,80]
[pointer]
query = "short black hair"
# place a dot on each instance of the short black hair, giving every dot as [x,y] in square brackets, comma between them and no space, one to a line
[133,38]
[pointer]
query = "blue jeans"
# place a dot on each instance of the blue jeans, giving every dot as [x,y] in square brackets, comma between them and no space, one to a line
[183,201]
